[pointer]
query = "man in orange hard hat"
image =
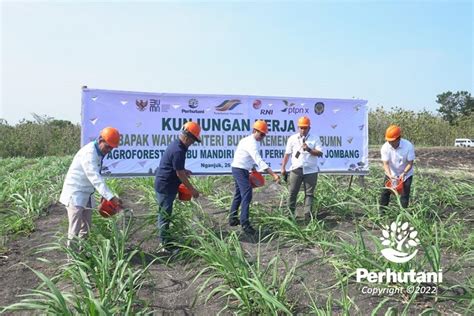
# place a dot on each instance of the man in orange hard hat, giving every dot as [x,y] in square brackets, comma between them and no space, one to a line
[398,155]
[246,156]
[169,175]
[304,148]
[83,178]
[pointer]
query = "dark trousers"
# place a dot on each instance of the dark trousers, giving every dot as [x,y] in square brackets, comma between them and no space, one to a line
[165,208]
[404,197]
[242,196]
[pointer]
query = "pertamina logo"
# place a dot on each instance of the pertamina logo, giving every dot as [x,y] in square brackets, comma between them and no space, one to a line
[293,108]
[399,238]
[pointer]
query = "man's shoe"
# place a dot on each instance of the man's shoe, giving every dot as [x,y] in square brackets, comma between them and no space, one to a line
[249,230]
[234,221]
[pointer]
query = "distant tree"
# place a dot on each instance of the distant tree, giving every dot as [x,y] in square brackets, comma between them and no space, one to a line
[455,106]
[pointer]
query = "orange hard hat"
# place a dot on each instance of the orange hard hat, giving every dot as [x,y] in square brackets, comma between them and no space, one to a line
[256,179]
[111,136]
[184,194]
[261,126]
[392,133]
[193,129]
[108,208]
[304,121]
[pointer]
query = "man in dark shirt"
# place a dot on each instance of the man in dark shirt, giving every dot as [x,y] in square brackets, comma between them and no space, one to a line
[170,174]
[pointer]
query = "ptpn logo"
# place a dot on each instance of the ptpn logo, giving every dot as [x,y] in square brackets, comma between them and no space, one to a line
[292,107]
[398,239]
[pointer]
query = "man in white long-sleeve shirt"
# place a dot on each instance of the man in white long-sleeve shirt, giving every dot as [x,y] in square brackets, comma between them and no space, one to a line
[83,178]
[246,156]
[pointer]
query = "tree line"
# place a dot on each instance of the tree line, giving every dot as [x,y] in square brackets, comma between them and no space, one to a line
[46,136]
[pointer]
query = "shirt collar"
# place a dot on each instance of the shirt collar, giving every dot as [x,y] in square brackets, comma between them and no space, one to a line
[97,149]
[181,144]
[399,145]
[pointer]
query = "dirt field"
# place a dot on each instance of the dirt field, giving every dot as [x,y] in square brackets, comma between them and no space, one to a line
[170,290]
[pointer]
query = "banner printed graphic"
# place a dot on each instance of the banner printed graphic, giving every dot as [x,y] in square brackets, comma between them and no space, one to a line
[148,122]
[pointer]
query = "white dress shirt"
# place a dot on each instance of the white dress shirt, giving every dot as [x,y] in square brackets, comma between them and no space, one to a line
[305,160]
[398,158]
[247,155]
[83,177]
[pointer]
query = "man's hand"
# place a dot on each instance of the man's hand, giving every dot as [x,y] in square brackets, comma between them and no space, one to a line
[402,176]
[276,178]
[117,201]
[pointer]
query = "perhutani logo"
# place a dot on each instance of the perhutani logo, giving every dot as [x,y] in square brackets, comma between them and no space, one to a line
[402,237]
[400,241]
[193,103]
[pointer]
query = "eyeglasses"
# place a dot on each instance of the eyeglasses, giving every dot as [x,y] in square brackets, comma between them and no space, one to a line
[262,134]
[303,127]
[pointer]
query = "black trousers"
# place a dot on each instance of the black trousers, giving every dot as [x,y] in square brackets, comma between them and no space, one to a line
[404,197]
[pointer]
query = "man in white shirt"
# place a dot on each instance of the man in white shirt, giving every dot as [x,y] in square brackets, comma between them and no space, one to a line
[304,148]
[397,156]
[83,178]
[245,157]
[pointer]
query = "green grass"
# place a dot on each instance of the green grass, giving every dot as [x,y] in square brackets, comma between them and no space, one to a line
[105,282]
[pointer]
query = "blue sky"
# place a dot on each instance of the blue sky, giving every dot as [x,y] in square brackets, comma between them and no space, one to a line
[392,53]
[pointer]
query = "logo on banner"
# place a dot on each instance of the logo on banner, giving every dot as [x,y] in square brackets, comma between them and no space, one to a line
[293,108]
[227,105]
[319,108]
[141,105]
[193,103]
[257,104]
[399,238]
[154,105]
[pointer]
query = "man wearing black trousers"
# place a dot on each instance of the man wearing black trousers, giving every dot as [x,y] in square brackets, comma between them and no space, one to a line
[398,155]
[246,156]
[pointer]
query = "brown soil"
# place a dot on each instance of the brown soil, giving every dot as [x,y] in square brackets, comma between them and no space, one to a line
[169,288]
[439,157]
